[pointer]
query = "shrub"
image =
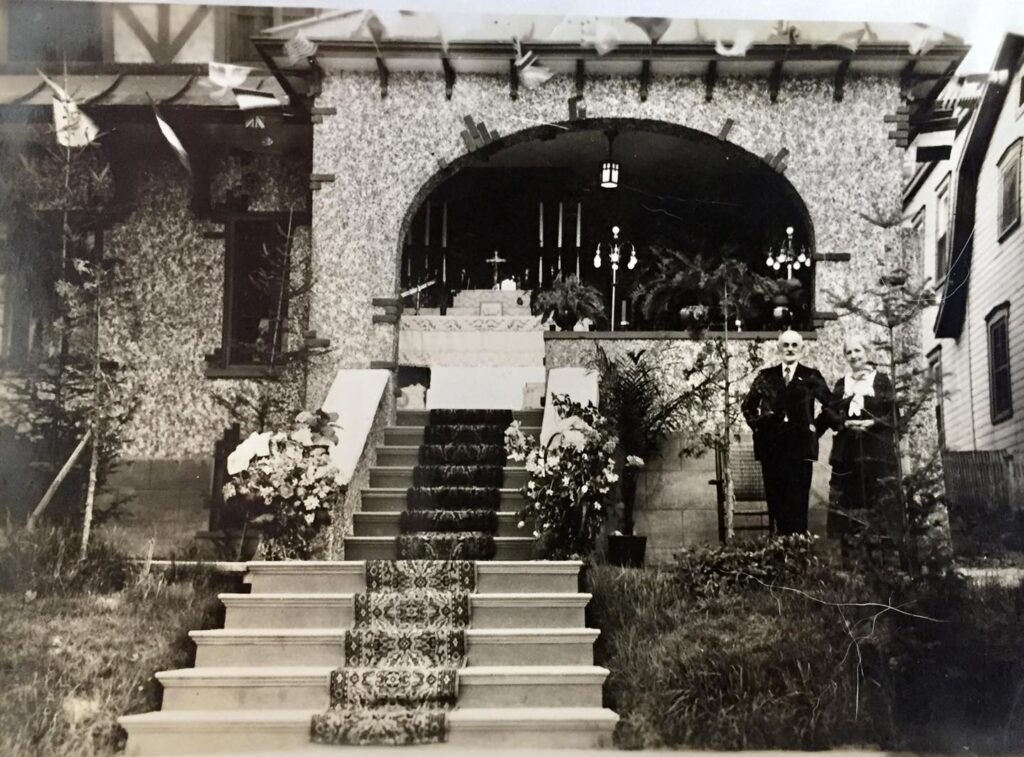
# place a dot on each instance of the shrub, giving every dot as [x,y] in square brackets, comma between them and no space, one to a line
[45,562]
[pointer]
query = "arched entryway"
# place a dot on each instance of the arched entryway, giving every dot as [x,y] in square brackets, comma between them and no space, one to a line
[535,201]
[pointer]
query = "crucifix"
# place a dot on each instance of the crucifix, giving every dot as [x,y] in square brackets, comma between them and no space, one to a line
[496,261]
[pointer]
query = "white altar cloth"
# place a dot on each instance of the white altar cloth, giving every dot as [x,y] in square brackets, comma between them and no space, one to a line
[482,341]
[480,387]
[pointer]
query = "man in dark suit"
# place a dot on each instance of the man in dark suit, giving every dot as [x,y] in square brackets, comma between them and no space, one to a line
[780,409]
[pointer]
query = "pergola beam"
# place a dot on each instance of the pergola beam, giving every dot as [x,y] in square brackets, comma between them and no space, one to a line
[775,81]
[710,78]
[382,71]
[840,80]
[449,77]
[580,77]
[645,79]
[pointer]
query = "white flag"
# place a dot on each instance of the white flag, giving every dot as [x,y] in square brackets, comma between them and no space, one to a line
[251,99]
[73,127]
[226,76]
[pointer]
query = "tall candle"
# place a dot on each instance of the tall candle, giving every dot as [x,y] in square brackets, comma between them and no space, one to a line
[444,268]
[444,225]
[540,224]
[579,215]
[426,227]
[559,225]
[540,270]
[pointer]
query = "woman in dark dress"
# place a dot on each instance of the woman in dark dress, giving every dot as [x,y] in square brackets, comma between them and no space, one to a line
[862,412]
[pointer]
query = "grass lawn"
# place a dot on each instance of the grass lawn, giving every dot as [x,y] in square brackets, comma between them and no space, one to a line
[72,662]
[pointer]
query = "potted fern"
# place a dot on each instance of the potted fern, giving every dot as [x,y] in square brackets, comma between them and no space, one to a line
[644,413]
[567,301]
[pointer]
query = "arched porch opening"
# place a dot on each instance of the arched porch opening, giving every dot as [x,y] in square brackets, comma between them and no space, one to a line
[530,207]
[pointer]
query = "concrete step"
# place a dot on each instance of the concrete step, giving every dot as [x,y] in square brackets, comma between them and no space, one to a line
[386,524]
[398,455]
[306,576]
[243,688]
[288,610]
[386,548]
[334,611]
[531,686]
[220,648]
[217,731]
[398,476]
[259,647]
[287,731]
[534,728]
[419,417]
[333,576]
[413,435]
[393,499]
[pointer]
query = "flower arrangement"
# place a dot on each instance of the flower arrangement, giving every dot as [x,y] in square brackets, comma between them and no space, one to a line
[572,479]
[286,484]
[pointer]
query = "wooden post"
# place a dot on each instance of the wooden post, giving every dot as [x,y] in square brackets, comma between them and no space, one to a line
[61,475]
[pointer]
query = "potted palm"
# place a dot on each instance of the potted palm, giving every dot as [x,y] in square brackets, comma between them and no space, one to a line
[644,413]
[567,301]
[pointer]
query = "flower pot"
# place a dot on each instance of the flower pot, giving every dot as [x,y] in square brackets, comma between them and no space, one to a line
[565,321]
[627,551]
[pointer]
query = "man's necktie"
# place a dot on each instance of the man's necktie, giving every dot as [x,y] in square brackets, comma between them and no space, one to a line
[787,374]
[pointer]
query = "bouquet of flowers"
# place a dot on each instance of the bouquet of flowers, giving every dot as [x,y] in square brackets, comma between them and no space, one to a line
[286,483]
[572,479]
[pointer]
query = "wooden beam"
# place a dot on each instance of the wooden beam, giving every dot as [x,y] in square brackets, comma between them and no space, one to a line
[824,315]
[840,80]
[382,71]
[831,257]
[187,30]
[581,74]
[386,318]
[907,79]
[383,302]
[388,365]
[645,79]
[723,134]
[128,16]
[934,153]
[513,80]
[710,78]
[449,77]
[775,81]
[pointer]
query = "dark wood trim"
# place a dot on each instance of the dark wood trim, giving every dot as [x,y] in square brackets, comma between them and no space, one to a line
[580,78]
[224,350]
[831,257]
[775,81]
[243,371]
[187,30]
[387,365]
[839,81]
[449,77]
[723,133]
[645,79]
[323,111]
[824,315]
[385,318]
[710,79]
[163,33]
[152,46]
[384,302]
[322,177]
[107,30]
[513,80]
[671,335]
[384,74]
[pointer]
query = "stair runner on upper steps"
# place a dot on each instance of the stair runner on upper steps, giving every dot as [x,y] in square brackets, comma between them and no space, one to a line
[409,632]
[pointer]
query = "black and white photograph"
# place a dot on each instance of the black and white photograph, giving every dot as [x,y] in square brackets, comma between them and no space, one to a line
[511,377]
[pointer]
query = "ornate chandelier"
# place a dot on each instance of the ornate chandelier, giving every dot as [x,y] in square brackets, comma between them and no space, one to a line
[786,255]
[616,248]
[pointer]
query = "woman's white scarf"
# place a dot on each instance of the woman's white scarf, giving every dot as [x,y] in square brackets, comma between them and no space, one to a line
[858,389]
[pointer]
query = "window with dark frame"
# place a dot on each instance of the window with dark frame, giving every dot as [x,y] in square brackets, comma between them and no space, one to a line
[1008,215]
[256,291]
[53,31]
[942,231]
[935,369]
[243,23]
[999,386]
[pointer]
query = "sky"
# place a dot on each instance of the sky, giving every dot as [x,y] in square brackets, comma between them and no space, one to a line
[982,23]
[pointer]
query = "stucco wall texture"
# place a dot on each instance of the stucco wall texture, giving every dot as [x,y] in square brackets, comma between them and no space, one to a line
[383,151]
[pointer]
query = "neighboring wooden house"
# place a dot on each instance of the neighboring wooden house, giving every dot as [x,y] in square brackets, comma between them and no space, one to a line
[385,118]
[967,211]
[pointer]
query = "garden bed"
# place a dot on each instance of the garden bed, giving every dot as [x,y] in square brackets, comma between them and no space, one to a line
[699,659]
[81,645]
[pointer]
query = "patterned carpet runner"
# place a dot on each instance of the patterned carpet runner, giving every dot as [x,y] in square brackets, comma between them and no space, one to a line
[451,509]
[409,631]
[402,655]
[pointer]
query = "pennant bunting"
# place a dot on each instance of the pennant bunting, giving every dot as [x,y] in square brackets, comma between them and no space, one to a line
[172,140]
[741,42]
[531,74]
[225,77]
[252,99]
[600,35]
[73,127]
[923,39]
[654,28]
[299,48]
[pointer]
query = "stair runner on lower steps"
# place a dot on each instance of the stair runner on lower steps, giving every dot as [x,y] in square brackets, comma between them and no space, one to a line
[507,637]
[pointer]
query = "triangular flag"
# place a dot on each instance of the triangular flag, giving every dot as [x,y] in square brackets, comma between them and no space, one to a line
[251,99]
[654,28]
[226,76]
[535,75]
[741,42]
[923,39]
[172,140]
[299,48]
[602,36]
[73,127]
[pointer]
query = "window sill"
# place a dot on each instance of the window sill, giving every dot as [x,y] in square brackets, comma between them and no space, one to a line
[1008,230]
[244,372]
[997,419]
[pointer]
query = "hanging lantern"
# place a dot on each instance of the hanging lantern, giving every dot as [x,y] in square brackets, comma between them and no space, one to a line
[610,168]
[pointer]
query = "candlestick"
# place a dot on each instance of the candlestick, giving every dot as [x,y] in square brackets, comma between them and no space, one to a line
[577,262]
[540,224]
[579,215]
[444,225]
[540,270]
[426,227]
[559,225]
[444,267]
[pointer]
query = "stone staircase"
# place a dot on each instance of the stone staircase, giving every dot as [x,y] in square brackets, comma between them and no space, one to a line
[529,680]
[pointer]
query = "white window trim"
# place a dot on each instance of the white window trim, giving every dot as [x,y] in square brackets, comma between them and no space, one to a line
[1012,155]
